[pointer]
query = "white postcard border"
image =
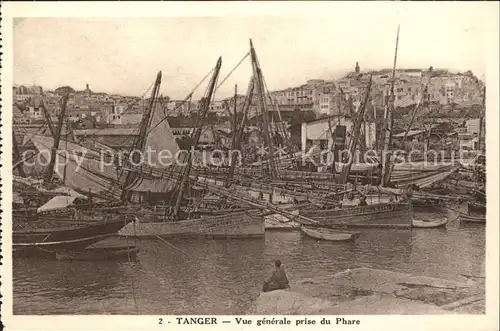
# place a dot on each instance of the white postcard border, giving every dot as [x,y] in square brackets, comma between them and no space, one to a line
[486,12]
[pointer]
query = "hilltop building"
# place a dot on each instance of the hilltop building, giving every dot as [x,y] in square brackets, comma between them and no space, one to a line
[317,132]
[317,95]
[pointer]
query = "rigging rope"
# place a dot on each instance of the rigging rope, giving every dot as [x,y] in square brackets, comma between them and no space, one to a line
[183,101]
[231,72]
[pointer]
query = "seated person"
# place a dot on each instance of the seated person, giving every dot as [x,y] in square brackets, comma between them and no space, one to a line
[278,280]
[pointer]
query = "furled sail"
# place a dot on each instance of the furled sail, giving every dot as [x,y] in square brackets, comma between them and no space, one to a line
[161,151]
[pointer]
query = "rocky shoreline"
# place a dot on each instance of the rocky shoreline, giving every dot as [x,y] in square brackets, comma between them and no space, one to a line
[373,291]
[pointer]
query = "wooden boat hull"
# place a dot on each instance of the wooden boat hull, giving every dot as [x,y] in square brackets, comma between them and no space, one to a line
[471,219]
[476,208]
[232,225]
[371,199]
[276,222]
[328,234]
[32,215]
[99,253]
[376,216]
[46,242]
[429,223]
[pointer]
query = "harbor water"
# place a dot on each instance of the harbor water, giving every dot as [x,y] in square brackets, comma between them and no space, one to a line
[207,276]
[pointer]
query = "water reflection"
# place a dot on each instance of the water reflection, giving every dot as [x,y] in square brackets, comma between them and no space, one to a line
[37,280]
[225,276]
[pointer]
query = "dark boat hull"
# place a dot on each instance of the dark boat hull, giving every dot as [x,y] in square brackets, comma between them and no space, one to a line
[376,216]
[46,242]
[472,219]
[32,215]
[476,208]
[480,195]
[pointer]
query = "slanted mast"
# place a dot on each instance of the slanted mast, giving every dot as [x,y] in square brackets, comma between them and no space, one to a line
[140,141]
[259,85]
[155,139]
[197,134]
[239,130]
[57,139]
[389,121]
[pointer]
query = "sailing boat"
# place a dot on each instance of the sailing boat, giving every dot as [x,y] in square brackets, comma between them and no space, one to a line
[89,171]
[64,235]
[174,223]
[45,236]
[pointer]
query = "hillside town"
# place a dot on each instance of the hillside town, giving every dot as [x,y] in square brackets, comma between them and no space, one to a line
[451,108]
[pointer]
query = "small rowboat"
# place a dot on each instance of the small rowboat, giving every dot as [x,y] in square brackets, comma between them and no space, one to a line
[99,253]
[329,234]
[472,219]
[429,223]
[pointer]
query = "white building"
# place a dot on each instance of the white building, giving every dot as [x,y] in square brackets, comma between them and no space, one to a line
[473,126]
[217,107]
[35,112]
[121,115]
[317,95]
[468,141]
[317,132]
[326,104]
[177,107]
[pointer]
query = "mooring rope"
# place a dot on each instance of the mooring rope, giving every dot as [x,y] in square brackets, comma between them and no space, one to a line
[174,247]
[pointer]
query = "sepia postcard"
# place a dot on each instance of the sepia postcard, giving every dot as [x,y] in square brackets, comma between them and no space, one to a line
[249,164]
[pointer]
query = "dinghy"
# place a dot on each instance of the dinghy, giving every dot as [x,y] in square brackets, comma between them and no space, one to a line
[329,234]
[472,219]
[429,223]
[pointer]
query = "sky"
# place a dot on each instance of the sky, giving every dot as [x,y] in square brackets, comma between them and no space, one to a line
[123,55]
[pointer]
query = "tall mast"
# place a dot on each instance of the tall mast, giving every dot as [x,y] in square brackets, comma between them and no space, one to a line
[246,108]
[235,113]
[334,142]
[282,126]
[66,147]
[197,133]
[259,84]
[17,156]
[140,140]
[238,132]
[408,128]
[481,119]
[57,138]
[386,157]
[233,140]
[356,131]
[48,119]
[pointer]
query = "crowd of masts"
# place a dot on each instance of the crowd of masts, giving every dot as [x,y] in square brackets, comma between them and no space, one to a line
[186,176]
